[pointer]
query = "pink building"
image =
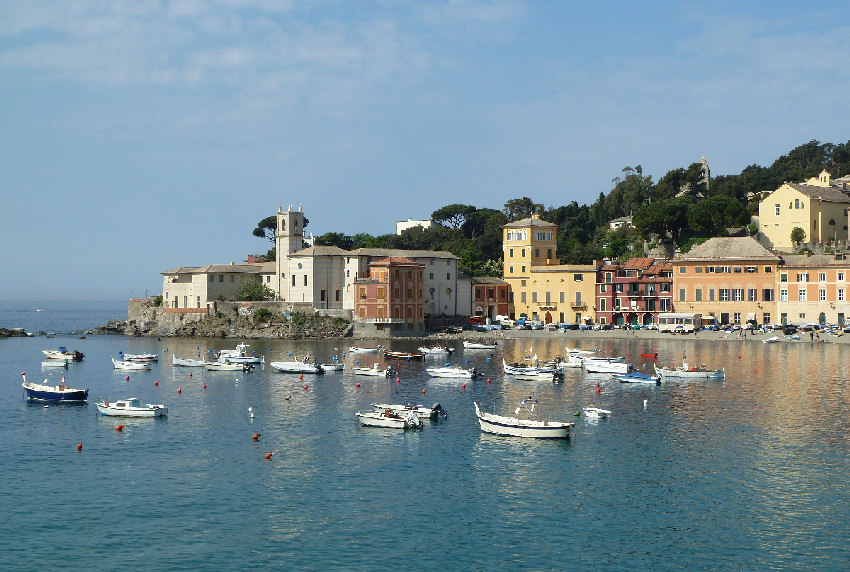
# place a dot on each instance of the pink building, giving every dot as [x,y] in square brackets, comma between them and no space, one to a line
[634,292]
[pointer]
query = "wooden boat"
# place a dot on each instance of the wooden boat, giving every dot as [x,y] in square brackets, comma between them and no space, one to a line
[452,371]
[770,340]
[336,366]
[535,376]
[63,354]
[433,412]
[517,427]
[61,392]
[637,377]
[523,369]
[390,420]
[297,367]
[596,413]
[186,362]
[356,350]
[605,365]
[649,355]
[479,345]
[240,355]
[685,372]
[403,355]
[228,366]
[55,363]
[374,371]
[138,357]
[131,407]
[132,365]
[436,350]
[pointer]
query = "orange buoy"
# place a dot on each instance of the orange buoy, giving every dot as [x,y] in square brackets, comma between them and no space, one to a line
[126,378]
[739,357]
[79,446]
[463,386]
[423,391]
[269,455]
[256,436]
[306,386]
[119,428]
[190,374]
[179,390]
[755,370]
[301,376]
[357,384]
[488,380]
[204,386]
[156,382]
[398,380]
[598,389]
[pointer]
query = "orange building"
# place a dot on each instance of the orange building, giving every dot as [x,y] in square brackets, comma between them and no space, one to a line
[730,278]
[391,298]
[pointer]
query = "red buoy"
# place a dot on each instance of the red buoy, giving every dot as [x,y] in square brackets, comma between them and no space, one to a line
[398,380]
[598,389]
[463,386]
[126,378]
[179,390]
[156,383]
[488,380]
[357,384]
[423,391]
[119,428]
[190,374]
[301,376]
[79,446]
[204,386]
[256,436]
[306,386]
[269,455]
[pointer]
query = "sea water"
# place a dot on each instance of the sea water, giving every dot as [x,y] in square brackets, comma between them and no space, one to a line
[748,472]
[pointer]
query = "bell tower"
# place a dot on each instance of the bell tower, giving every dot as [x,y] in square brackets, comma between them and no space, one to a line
[289,238]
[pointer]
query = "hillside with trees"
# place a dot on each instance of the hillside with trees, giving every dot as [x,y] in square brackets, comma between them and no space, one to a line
[680,207]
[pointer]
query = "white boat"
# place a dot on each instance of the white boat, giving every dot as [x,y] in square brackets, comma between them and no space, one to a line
[479,345]
[517,427]
[452,371]
[356,350]
[59,393]
[701,372]
[388,419]
[132,365]
[535,376]
[62,355]
[637,377]
[296,367]
[374,371]
[436,350]
[432,412]
[333,367]
[54,363]
[596,413]
[186,362]
[138,357]
[228,366]
[771,340]
[605,365]
[518,369]
[240,355]
[131,407]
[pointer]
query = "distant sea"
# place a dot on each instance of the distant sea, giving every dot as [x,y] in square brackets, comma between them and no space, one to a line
[60,317]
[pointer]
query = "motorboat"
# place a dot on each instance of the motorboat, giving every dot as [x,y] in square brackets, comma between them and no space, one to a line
[637,377]
[479,345]
[296,367]
[356,350]
[61,392]
[132,365]
[523,427]
[686,372]
[436,351]
[55,363]
[240,355]
[403,355]
[390,420]
[433,412]
[131,407]
[535,376]
[228,366]
[138,357]
[452,371]
[606,365]
[63,354]
[770,340]
[335,366]
[596,413]
[186,362]
[374,371]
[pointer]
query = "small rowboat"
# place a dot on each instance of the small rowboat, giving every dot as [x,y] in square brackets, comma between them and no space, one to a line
[131,407]
[134,365]
[651,355]
[403,355]
[390,420]
[521,427]
[61,392]
[596,413]
[138,357]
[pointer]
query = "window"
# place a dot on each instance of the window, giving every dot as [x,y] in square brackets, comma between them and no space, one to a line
[449,275]
[768,269]
[618,287]
[563,297]
[199,301]
[822,295]
[608,278]
[523,269]
[549,253]
[737,294]
[221,278]
[841,277]
[522,253]
[212,278]
[665,304]
[602,305]
[536,253]
[841,294]
[736,317]
[802,295]
[711,294]
[618,303]
[765,318]
[777,209]
[783,295]
[698,270]
[698,295]
[681,294]
[750,269]
[305,280]
[578,277]
[724,294]
[683,270]
[821,276]
[783,277]
[767,295]
[337,295]
[796,203]
[603,288]
[293,279]
[321,295]
[752,295]
[737,270]
[511,251]
[802,277]
[534,297]
[522,282]
[431,274]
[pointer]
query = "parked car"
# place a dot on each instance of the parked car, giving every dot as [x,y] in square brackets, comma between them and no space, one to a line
[789,329]
[536,325]
[607,326]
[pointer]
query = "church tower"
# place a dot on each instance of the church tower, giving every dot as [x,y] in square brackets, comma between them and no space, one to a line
[289,238]
[706,174]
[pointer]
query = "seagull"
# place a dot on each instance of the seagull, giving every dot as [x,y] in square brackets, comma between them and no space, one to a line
[287,397]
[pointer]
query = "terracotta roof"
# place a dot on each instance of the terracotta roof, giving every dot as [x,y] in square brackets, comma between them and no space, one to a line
[247,268]
[826,193]
[638,263]
[530,221]
[728,248]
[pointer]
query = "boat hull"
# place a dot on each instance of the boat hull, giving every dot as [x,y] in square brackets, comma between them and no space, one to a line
[451,372]
[514,427]
[130,365]
[186,362]
[110,410]
[44,393]
[296,367]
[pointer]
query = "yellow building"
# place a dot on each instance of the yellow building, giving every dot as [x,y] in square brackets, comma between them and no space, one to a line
[817,206]
[813,289]
[541,287]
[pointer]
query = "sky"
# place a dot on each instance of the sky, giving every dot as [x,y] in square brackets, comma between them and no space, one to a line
[137,137]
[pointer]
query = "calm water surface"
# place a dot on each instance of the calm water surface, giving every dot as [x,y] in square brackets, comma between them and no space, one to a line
[746,473]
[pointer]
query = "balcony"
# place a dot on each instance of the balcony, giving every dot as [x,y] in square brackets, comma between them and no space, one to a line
[382,320]
[578,305]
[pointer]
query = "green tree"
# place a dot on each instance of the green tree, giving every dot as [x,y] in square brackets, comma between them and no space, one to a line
[453,216]
[798,234]
[335,239]
[516,209]
[252,290]
[715,214]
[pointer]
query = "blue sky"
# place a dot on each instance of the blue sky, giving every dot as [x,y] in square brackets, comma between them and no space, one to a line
[140,136]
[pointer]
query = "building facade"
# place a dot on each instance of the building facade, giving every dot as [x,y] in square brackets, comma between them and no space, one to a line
[490,297]
[730,278]
[813,289]
[392,296]
[199,286]
[634,292]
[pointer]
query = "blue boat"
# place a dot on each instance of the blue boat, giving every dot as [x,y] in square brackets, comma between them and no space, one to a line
[60,392]
[637,377]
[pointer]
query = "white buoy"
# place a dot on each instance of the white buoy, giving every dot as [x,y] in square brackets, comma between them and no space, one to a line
[644,403]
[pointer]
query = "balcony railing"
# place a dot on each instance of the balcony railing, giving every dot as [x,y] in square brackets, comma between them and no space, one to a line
[578,305]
